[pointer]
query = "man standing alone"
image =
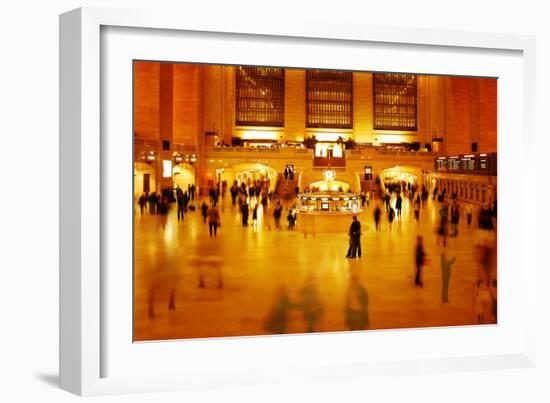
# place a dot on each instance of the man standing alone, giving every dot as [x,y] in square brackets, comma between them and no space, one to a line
[354,239]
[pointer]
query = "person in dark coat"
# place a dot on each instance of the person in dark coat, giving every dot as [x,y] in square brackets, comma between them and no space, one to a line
[244,213]
[377,214]
[204,211]
[419,259]
[354,249]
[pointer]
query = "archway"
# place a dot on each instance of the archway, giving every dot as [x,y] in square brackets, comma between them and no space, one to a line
[184,175]
[400,174]
[248,173]
[144,178]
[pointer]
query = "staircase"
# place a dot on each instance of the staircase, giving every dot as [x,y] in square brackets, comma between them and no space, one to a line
[285,187]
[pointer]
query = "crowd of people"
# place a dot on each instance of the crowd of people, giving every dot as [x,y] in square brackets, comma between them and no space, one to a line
[449,215]
[250,197]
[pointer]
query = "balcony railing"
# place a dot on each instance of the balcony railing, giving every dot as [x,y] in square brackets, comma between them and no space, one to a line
[283,152]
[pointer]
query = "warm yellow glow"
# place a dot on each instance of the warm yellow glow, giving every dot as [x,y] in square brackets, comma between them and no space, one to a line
[323,136]
[321,149]
[259,135]
[394,138]
[166,168]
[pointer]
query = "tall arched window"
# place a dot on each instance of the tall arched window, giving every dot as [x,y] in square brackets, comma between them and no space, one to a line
[395,101]
[260,96]
[329,99]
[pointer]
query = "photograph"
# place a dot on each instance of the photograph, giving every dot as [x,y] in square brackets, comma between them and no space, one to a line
[271,200]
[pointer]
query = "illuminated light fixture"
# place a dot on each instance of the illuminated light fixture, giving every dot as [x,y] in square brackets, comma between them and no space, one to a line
[454,156]
[211,160]
[469,156]
[321,136]
[346,198]
[259,135]
[441,158]
[151,157]
[393,138]
[329,175]
[324,198]
[482,155]
[313,198]
[166,168]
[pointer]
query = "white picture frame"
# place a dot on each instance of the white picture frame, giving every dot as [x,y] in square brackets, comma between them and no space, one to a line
[84,162]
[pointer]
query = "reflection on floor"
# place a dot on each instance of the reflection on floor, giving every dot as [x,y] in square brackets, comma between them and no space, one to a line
[259,280]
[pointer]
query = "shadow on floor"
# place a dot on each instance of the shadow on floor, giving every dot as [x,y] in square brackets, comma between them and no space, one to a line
[49,379]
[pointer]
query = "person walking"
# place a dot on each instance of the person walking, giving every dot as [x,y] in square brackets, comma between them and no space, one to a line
[181,203]
[391,216]
[377,214]
[142,202]
[357,303]
[310,304]
[445,276]
[153,203]
[482,301]
[204,211]
[276,321]
[244,213]
[398,205]
[277,212]
[455,217]
[290,218]
[255,214]
[468,211]
[417,208]
[213,219]
[419,259]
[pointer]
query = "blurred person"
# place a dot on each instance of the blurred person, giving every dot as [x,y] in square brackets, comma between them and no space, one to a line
[377,214]
[142,202]
[204,211]
[152,203]
[277,212]
[291,218]
[357,303]
[391,216]
[398,205]
[310,304]
[255,214]
[234,190]
[417,208]
[468,211]
[180,202]
[443,229]
[420,260]
[213,219]
[482,301]
[244,213]
[455,218]
[162,208]
[276,321]
[445,276]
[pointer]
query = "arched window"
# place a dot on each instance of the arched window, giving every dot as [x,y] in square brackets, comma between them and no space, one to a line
[329,102]
[260,96]
[395,101]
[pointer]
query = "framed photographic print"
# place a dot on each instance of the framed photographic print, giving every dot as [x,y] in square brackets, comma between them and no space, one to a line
[246,203]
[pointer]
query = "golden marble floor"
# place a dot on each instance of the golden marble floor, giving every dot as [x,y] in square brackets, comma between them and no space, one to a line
[246,271]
